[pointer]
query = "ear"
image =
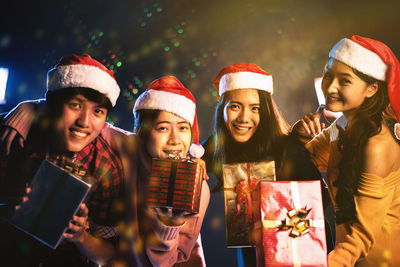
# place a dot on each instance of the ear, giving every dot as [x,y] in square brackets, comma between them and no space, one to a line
[372,89]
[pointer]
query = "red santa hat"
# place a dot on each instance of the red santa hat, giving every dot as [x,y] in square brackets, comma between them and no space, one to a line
[168,94]
[374,59]
[83,71]
[243,76]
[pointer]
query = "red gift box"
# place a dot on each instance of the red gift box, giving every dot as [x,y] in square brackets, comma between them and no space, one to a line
[292,224]
[240,194]
[174,183]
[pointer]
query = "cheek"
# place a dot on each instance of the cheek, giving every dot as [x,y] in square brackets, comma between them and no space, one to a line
[256,119]
[98,124]
[154,143]
[228,117]
[187,140]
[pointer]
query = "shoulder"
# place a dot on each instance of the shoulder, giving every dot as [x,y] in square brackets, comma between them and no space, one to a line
[108,154]
[381,154]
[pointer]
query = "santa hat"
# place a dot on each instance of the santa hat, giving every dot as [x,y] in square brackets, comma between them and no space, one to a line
[374,59]
[168,94]
[83,71]
[243,76]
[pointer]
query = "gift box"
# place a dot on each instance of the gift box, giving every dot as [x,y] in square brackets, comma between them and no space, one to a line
[292,228]
[240,193]
[175,183]
[56,194]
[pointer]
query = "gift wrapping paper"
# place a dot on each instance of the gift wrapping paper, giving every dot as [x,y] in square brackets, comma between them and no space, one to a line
[240,192]
[292,224]
[176,184]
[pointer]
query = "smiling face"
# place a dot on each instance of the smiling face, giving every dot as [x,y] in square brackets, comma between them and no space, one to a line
[81,121]
[241,113]
[343,89]
[170,134]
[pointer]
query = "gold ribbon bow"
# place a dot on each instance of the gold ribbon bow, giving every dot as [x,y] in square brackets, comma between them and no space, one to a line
[296,222]
[70,165]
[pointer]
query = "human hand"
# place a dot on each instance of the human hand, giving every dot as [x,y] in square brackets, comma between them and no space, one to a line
[170,216]
[8,134]
[25,198]
[310,125]
[78,225]
[202,168]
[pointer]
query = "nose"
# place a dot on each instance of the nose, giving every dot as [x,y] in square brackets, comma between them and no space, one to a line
[173,137]
[83,118]
[331,87]
[244,115]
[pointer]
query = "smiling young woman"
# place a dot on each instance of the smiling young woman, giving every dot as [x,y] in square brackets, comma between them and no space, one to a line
[247,127]
[362,158]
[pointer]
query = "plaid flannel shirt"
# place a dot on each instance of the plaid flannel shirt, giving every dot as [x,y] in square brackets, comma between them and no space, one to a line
[106,200]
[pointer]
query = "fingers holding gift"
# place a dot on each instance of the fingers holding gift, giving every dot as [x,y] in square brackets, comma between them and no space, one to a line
[7,137]
[78,225]
[202,168]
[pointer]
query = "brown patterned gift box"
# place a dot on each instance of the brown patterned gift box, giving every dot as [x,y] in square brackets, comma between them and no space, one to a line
[240,184]
[292,225]
[174,183]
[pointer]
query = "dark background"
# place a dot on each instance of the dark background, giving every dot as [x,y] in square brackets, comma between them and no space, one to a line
[193,40]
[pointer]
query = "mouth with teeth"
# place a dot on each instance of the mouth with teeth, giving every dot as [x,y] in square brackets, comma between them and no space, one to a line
[333,99]
[241,129]
[77,133]
[172,152]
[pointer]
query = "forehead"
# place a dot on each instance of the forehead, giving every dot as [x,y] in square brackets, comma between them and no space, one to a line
[79,97]
[166,116]
[245,96]
[337,66]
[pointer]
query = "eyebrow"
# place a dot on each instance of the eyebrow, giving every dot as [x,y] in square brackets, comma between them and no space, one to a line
[344,74]
[82,100]
[238,102]
[340,73]
[179,122]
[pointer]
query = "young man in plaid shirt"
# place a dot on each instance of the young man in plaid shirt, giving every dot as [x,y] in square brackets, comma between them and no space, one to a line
[80,92]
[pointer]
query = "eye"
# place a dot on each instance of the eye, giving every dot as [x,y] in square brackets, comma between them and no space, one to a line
[234,107]
[74,105]
[184,128]
[99,111]
[161,128]
[255,109]
[344,81]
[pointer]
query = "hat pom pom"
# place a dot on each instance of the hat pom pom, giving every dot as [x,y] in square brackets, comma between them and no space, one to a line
[196,151]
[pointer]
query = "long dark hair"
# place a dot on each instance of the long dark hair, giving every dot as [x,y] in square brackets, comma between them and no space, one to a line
[366,122]
[144,121]
[266,141]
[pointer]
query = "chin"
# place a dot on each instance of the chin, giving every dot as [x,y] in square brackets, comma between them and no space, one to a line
[74,148]
[242,139]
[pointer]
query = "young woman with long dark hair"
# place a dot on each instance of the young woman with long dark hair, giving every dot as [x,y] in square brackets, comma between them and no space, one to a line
[362,158]
[248,127]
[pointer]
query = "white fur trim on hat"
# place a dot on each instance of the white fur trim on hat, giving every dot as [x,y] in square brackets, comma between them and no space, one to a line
[243,80]
[166,101]
[80,75]
[196,150]
[360,58]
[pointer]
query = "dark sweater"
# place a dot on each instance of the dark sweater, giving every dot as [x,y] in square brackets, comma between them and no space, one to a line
[292,163]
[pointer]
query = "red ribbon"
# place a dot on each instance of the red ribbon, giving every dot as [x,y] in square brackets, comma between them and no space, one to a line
[243,190]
